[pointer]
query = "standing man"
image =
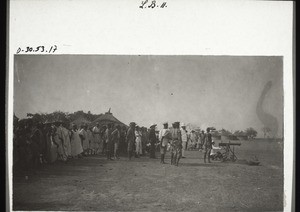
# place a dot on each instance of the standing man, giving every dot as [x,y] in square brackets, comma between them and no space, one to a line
[109,142]
[207,145]
[164,138]
[193,139]
[176,144]
[202,139]
[184,139]
[130,139]
[76,147]
[103,139]
[62,151]
[91,140]
[35,138]
[97,139]
[116,141]
[84,139]
[67,142]
[123,146]
[144,140]
[152,139]
[138,142]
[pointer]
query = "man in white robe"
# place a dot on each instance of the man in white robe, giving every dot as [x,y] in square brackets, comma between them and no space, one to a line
[84,139]
[62,150]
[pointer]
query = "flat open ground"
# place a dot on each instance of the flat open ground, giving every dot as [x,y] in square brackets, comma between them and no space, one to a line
[144,184]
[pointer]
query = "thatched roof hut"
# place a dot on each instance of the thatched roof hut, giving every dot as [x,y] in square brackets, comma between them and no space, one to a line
[81,120]
[107,118]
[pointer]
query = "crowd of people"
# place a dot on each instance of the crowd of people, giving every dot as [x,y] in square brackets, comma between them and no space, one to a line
[36,144]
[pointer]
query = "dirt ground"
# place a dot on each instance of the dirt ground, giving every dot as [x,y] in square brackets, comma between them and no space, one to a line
[143,184]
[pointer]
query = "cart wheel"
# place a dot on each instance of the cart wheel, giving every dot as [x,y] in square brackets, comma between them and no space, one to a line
[233,159]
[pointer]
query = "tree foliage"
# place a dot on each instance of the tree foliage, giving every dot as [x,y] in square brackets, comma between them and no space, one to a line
[225,132]
[251,133]
[61,116]
[239,133]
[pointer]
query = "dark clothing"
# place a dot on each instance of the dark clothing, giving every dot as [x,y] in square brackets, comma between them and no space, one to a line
[36,145]
[109,143]
[207,146]
[123,145]
[144,141]
[116,142]
[152,139]
[208,141]
[176,146]
[130,139]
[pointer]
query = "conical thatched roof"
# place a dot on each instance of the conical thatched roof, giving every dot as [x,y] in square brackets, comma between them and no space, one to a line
[107,118]
[81,120]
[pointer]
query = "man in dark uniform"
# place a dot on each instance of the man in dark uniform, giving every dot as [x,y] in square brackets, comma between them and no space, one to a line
[207,145]
[176,144]
[152,139]
[130,139]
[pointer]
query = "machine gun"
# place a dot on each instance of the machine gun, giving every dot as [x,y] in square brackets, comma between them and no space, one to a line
[229,154]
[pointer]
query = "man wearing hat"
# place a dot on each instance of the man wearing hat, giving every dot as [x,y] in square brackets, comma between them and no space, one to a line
[152,139]
[164,138]
[130,139]
[176,144]
[184,138]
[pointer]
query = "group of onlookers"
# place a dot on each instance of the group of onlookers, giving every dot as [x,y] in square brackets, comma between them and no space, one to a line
[36,143]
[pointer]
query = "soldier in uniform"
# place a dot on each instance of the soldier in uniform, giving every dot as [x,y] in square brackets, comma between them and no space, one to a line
[164,138]
[130,139]
[207,145]
[176,144]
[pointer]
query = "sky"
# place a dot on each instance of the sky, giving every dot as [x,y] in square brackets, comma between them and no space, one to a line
[219,91]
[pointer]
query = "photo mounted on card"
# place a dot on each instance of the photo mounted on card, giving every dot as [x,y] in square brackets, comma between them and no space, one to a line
[150,106]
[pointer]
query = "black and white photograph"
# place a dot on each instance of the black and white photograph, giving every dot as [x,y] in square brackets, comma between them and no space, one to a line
[139,133]
[148,130]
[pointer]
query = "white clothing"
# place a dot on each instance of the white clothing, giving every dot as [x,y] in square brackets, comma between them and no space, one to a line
[85,141]
[75,143]
[164,133]
[138,142]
